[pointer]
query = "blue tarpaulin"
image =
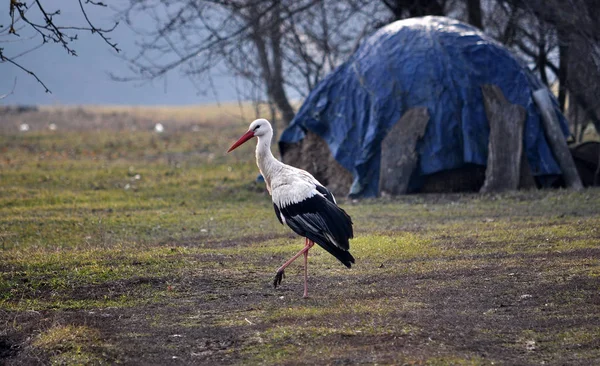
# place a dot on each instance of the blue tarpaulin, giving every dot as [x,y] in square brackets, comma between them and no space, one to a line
[435,62]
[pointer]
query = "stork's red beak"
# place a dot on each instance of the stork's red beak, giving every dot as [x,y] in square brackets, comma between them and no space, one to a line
[245,137]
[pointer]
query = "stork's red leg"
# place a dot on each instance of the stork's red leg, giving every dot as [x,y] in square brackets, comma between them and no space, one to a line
[280,274]
[308,244]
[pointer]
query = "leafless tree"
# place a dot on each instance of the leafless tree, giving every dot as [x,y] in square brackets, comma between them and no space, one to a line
[277,46]
[568,29]
[45,24]
[284,47]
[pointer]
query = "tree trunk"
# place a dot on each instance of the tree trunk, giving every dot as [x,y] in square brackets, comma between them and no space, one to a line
[576,117]
[542,59]
[474,10]
[414,8]
[276,89]
[279,97]
[563,52]
[272,73]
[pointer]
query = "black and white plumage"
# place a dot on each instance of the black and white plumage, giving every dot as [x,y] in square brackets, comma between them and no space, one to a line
[319,219]
[300,202]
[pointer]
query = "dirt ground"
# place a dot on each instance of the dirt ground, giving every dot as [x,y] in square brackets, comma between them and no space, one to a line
[500,308]
[180,270]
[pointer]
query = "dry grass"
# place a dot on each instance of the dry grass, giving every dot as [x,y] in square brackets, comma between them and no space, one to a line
[203,114]
[128,118]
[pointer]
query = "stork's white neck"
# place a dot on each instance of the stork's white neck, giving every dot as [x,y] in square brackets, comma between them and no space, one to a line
[267,164]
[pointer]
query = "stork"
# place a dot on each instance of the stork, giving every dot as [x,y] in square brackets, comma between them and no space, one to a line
[300,202]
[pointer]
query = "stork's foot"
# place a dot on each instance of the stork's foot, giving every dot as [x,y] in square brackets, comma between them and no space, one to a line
[278,277]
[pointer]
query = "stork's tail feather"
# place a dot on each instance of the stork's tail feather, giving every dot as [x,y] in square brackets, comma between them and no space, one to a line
[342,255]
[347,259]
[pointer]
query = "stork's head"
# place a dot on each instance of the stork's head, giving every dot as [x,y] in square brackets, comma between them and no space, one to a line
[259,127]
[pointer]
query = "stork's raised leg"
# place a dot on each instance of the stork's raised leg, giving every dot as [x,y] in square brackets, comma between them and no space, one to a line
[280,272]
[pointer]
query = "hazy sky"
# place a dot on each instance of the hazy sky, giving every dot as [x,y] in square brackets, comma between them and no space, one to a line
[84,79]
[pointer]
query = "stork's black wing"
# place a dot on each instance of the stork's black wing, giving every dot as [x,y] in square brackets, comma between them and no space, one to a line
[319,219]
[325,192]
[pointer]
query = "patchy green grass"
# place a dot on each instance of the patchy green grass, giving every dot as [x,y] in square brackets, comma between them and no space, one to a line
[135,247]
[69,344]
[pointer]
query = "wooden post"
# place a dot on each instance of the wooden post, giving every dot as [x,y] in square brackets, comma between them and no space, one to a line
[526,181]
[398,151]
[505,147]
[556,139]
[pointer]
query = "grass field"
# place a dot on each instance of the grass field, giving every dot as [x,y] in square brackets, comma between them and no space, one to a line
[122,245]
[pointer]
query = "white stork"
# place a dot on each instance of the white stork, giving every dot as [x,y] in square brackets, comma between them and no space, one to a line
[300,202]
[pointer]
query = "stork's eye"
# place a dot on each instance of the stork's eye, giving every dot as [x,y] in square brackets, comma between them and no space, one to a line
[256,128]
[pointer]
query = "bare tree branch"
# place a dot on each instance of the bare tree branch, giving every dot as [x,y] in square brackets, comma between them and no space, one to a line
[50,30]
[11,91]
[273,44]
[99,31]
[6,59]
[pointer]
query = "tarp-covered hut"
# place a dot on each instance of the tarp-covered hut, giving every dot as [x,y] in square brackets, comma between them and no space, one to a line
[438,65]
